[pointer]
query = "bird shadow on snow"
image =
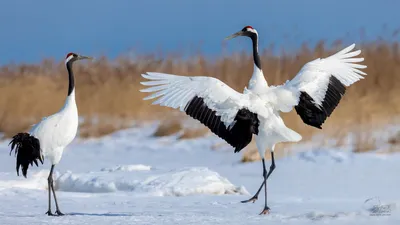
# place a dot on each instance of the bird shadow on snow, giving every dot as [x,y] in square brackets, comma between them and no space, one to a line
[98,214]
[316,216]
[77,214]
[17,216]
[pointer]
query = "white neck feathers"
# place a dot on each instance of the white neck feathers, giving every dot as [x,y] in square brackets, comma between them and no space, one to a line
[257,82]
[69,101]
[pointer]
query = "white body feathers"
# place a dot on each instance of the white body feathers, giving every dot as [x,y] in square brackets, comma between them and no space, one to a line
[55,132]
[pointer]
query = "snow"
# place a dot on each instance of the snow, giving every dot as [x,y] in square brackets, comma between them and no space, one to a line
[131,177]
[181,182]
[137,167]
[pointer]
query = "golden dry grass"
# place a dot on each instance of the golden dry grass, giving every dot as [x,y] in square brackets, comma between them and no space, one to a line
[110,89]
[174,126]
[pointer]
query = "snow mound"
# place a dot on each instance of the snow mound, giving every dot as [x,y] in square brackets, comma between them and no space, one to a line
[190,181]
[136,167]
[35,180]
[182,182]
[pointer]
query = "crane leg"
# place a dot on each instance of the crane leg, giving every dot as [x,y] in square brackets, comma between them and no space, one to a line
[271,168]
[265,175]
[58,212]
[51,188]
[49,183]
[255,197]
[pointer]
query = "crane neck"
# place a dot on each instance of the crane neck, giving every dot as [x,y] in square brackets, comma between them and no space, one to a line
[257,82]
[71,84]
[256,56]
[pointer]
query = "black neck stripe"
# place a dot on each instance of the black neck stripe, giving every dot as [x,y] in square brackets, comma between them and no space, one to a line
[71,79]
[256,56]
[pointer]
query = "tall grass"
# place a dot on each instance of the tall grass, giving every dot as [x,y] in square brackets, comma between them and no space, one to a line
[108,94]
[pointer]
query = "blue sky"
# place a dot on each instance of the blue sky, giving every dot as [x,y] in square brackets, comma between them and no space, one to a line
[33,30]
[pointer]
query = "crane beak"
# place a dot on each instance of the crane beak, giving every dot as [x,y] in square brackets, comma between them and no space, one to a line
[240,33]
[84,57]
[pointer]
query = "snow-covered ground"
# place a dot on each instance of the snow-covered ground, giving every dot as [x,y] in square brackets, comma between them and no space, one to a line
[130,177]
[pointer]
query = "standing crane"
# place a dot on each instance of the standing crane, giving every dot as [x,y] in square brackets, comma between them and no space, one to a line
[314,93]
[49,137]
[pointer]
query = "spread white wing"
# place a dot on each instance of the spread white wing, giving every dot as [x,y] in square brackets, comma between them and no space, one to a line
[319,86]
[223,110]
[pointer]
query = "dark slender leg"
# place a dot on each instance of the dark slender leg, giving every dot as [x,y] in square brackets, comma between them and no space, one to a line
[51,188]
[271,168]
[255,197]
[58,212]
[50,182]
[266,208]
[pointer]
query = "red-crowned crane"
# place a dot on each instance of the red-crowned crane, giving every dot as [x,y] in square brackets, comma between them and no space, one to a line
[49,137]
[314,93]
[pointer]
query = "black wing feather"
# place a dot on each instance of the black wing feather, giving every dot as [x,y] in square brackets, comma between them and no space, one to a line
[315,116]
[238,136]
[27,150]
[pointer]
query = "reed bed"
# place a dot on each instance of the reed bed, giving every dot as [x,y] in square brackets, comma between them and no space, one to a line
[108,94]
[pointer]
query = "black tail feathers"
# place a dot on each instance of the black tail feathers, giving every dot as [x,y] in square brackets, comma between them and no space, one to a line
[27,149]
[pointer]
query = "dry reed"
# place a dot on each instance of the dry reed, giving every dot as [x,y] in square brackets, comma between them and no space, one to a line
[110,89]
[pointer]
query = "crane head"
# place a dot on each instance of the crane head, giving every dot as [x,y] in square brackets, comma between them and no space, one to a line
[247,31]
[72,57]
